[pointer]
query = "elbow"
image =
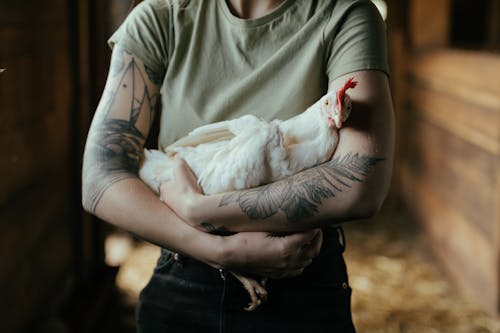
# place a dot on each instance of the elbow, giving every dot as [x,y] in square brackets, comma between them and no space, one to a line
[86,198]
[91,189]
[372,197]
[371,204]
[371,208]
[87,183]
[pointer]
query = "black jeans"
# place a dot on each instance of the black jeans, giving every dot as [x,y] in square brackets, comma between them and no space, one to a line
[185,295]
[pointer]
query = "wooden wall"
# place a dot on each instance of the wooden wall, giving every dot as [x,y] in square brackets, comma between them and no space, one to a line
[450,168]
[35,101]
[51,252]
[449,149]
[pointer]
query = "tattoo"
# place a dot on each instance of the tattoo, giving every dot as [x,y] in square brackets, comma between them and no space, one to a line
[116,152]
[299,196]
[154,76]
[210,228]
[115,143]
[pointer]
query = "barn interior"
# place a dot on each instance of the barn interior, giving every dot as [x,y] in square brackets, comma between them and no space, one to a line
[429,262]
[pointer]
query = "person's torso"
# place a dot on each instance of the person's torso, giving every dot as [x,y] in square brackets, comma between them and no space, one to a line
[222,67]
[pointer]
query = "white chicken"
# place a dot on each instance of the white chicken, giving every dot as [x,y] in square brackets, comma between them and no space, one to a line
[247,152]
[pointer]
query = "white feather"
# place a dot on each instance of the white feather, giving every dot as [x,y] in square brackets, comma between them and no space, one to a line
[247,151]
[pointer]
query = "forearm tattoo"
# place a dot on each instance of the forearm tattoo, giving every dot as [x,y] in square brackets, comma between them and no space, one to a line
[210,228]
[301,195]
[116,140]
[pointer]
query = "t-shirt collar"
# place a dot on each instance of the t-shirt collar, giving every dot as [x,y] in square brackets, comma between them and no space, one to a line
[251,23]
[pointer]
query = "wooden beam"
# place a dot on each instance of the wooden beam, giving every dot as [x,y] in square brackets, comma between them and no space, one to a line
[429,25]
[464,251]
[461,116]
[459,171]
[494,26]
[472,76]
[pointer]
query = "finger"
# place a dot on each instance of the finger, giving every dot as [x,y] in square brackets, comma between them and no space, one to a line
[181,165]
[316,243]
[312,250]
[301,238]
[162,190]
[298,266]
[183,172]
[287,274]
[297,272]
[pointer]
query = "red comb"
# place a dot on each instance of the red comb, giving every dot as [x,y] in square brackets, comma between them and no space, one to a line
[350,83]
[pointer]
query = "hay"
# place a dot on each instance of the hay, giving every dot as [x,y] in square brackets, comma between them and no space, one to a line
[398,287]
[136,271]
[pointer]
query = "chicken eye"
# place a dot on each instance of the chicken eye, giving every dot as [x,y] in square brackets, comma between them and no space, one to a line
[327,103]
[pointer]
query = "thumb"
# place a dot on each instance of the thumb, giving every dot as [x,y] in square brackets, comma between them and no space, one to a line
[180,168]
[183,173]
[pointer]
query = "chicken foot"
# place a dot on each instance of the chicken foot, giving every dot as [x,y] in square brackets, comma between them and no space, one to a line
[256,290]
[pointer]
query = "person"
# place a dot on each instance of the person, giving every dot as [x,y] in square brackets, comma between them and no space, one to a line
[208,60]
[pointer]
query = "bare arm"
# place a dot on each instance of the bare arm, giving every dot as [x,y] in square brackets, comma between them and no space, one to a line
[112,190]
[353,184]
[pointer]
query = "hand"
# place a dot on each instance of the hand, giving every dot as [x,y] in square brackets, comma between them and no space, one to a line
[182,194]
[271,256]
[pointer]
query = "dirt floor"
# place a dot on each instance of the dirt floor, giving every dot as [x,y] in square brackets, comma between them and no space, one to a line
[397,285]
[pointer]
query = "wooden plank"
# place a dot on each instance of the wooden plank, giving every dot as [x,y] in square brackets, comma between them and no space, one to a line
[398,88]
[429,24]
[494,26]
[462,118]
[456,169]
[465,252]
[118,10]
[34,124]
[497,230]
[36,103]
[41,281]
[25,219]
[29,153]
[470,76]
[34,235]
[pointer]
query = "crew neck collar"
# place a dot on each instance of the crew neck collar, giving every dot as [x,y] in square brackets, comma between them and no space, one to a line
[251,23]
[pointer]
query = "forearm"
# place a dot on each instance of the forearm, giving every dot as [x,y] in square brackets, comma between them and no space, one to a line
[129,204]
[348,187]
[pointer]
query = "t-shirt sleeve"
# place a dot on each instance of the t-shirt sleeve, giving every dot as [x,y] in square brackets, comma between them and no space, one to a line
[357,40]
[144,33]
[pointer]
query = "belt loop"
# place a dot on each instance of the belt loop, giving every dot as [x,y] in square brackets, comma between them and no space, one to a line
[222,274]
[340,232]
[177,258]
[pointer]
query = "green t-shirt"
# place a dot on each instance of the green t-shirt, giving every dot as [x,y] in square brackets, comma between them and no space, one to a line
[217,66]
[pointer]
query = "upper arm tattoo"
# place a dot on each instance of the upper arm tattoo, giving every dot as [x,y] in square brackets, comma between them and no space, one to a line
[299,196]
[116,139]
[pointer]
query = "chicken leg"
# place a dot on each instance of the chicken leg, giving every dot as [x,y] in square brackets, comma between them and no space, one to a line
[256,290]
